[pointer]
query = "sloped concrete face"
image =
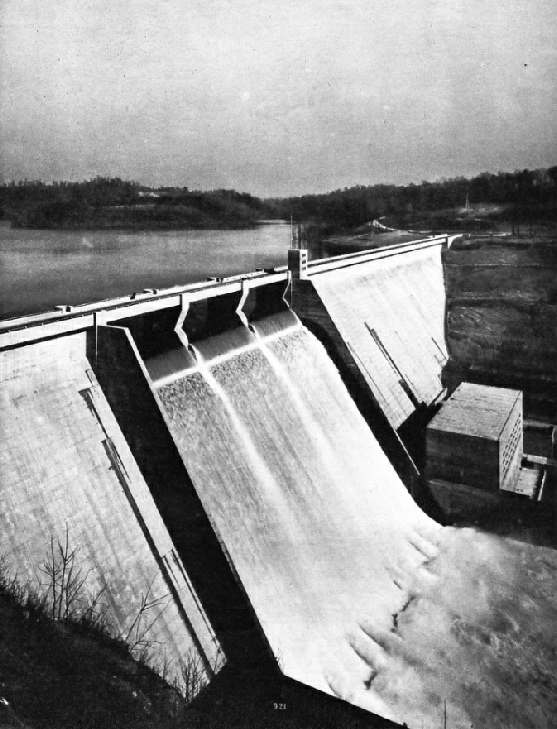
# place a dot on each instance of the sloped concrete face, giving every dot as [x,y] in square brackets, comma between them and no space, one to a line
[386,317]
[67,470]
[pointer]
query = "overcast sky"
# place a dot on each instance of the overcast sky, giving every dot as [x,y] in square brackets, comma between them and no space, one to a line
[276,97]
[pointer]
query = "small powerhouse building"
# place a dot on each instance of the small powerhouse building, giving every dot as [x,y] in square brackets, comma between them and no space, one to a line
[476,438]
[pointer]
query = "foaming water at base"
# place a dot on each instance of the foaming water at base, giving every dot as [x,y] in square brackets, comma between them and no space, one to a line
[479,639]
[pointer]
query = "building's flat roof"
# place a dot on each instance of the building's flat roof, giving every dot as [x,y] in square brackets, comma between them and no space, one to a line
[476,410]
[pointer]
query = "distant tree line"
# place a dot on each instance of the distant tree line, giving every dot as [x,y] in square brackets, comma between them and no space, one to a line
[520,194]
[115,203]
[112,202]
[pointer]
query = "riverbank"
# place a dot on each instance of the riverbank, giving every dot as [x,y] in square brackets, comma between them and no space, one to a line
[135,217]
[502,317]
[353,242]
[114,204]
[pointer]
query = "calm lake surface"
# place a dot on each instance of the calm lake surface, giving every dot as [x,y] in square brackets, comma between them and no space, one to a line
[42,268]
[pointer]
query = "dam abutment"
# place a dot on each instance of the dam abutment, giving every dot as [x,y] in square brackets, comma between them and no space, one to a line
[68,476]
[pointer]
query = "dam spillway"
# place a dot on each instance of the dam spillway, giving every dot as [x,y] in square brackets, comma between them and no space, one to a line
[201,443]
[309,509]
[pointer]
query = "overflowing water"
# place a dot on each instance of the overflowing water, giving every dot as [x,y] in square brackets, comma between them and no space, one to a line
[359,593]
[314,518]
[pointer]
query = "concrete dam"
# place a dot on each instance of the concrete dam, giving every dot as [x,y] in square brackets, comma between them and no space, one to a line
[235,451]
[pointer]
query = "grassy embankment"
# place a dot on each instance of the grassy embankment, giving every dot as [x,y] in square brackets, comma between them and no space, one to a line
[341,221]
[482,220]
[502,317]
[63,669]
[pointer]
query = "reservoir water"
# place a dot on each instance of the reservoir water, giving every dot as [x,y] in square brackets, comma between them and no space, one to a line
[42,268]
